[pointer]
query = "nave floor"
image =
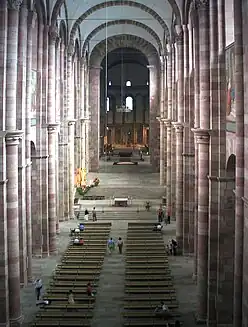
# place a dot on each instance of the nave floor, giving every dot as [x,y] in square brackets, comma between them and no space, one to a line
[143,185]
[110,295]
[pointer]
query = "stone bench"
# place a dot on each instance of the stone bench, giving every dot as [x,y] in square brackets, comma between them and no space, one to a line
[149,290]
[71,322]
[148,261]
[87,261]
[65,290]
[54,314]
[144,305]
[154,322]
[65,314]
[75,278]
[148,265]
[167,281]
[151,297]
[147,277]
[64,298]
[68,307]
[77,272]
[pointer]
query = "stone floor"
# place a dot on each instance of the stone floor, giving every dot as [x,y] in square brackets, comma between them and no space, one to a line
[119,181]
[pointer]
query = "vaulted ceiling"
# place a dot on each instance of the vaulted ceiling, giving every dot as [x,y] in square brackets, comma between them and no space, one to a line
[100,19]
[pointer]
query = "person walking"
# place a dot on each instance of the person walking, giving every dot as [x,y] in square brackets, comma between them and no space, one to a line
[38,287]
[111,245]
[120,244]
[160,214]
[168,215]
[94,214]
[86,215]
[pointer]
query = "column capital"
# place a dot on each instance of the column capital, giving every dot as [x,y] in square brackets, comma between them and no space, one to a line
[201,4]
[179,34]
[52,128]
[202,135]
[13,137]
[85,119]
[167,122]
[32,16]
[14,4]
[72,122]
[63,144]
[53,34]
[178,127]
[70,49]
[221,179]
[96,67]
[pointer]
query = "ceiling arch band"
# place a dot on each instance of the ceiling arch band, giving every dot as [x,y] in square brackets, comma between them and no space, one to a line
[118,22]
[124,41]
[172,3]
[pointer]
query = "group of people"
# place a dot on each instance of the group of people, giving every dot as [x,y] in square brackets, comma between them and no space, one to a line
[112,245]
[86,214]
[162,217]
[172,247]
[89,292]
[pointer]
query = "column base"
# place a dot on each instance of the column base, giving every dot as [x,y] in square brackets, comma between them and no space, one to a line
[54,253]
[4,324]
[17,322]
[45,254]
[194,277]
[37,255]
[199,320]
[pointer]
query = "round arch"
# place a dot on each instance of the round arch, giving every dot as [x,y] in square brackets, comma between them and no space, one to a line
[124,41]
[119,22]
[173,4]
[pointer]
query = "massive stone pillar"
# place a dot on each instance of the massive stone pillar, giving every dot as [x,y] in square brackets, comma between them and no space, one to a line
[162,130]
[37,220]
[64,126]
[178,125]
[191,148]
[196,126]
[62,143]
[94,132]
[239,190]
[31,20]
[202,135]
[71,129]
[12,142]
[44,145]
[173,134]
[214,167]
[154,113]
[20,113]
[186,167]
[52,138]
[4,289]
[168,129]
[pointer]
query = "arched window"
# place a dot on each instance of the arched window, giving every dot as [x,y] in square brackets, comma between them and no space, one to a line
[128,83]
[107,104]
[129,103]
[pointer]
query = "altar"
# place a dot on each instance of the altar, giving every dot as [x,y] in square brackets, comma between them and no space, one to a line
[120,202]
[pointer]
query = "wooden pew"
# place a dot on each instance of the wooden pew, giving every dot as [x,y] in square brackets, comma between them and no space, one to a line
[150,290]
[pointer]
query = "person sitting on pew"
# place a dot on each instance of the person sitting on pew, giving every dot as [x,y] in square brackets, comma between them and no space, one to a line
[89,290]
[81,227]
[162,310]
[71,297]
[81,241]
[157,227]
[76,241]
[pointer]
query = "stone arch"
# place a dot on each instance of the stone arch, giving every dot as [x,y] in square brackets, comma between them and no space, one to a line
[119,22]
[173,4]
[118,3]
[124,41]
[63,32]
[226,245]
[41,12]
[96,57]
